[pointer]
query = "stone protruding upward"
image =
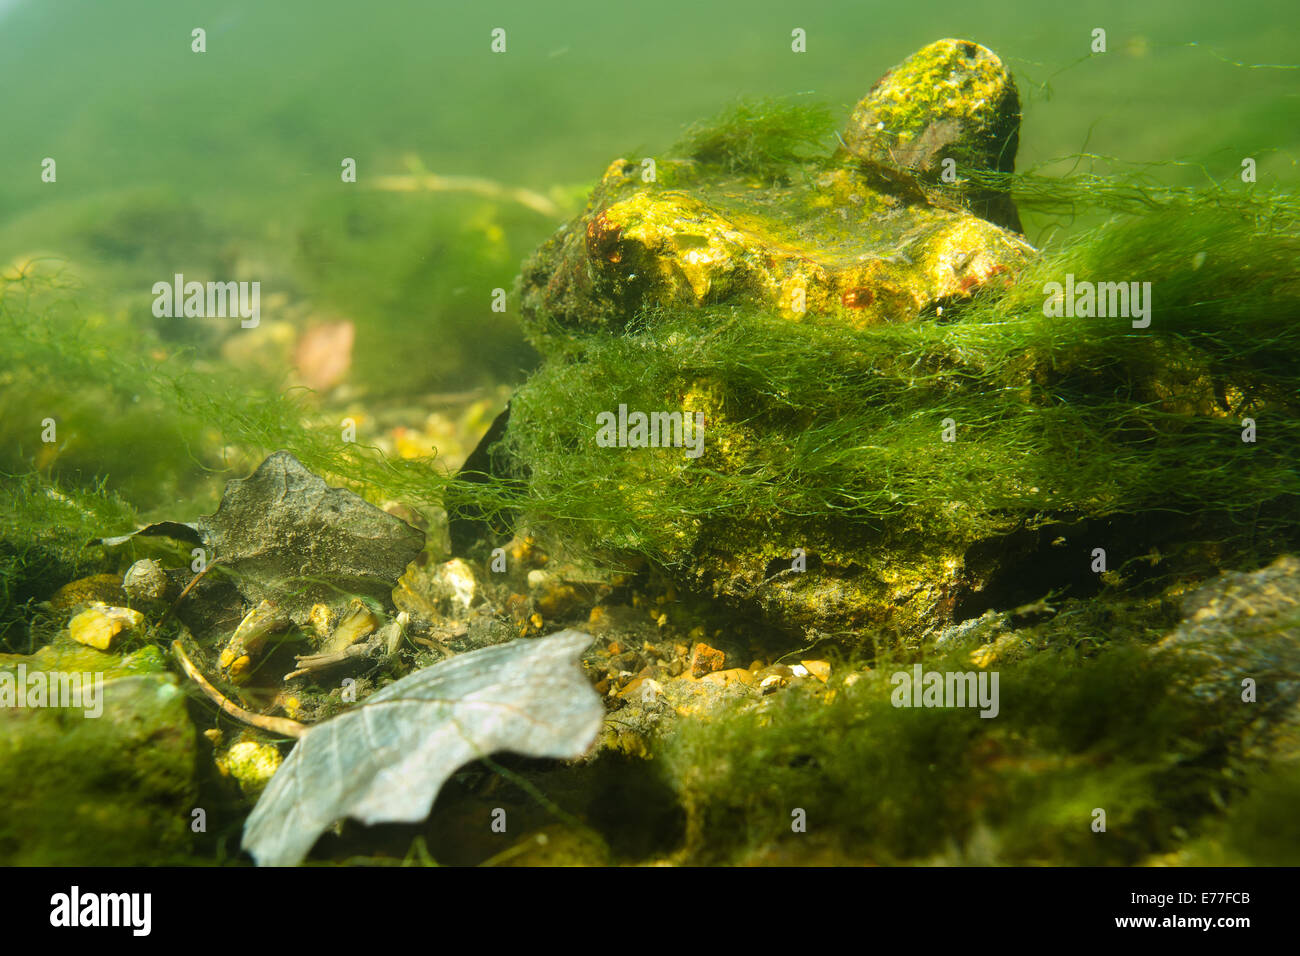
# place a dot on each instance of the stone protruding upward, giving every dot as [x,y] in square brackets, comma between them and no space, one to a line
[953,99]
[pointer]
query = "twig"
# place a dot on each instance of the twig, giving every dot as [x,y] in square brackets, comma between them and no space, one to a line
[432,182]
[189,587]
[435,645]
[315,662]
[275,725]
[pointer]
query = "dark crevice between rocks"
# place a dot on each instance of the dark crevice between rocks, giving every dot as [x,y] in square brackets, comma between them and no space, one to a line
[1146,550]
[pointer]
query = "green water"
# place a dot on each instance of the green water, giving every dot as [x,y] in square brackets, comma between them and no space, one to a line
[173,159]
[226,165]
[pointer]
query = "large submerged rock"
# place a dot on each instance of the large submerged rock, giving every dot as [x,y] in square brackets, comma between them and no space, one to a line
[1245,627]
[94,777]
[812,312]
[860,238]
[857,239]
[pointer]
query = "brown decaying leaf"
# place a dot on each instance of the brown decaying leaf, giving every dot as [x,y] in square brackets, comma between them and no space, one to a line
[290,538]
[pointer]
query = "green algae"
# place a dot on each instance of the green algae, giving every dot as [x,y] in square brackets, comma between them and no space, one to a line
[161,425]
[112,790]
[367,256]
[1055,418]
[758,136]
[1076,731]
[1259,829]
[43,546]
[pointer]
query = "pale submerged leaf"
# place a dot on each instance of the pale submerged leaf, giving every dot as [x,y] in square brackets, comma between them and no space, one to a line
[386,760]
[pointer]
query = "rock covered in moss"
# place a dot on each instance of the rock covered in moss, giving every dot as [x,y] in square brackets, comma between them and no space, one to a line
[66,656]
[97,588]
[1245,627]
[950,104]
[854,238]
[252,763]
[113,789]
[880,455]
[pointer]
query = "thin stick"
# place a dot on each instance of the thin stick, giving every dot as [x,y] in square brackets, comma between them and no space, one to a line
[189,587]
[275,725]
[435,645]
[432,182]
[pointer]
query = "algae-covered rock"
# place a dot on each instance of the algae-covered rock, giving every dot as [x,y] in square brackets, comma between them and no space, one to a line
[1245,626]
[97,588]
[952,101]
[108,781]
[63,654]
[855,238]
[252,763]
[833,391]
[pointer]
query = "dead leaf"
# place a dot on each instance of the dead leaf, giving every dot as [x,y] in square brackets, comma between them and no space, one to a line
[289,538]
[386,760]
[179,530]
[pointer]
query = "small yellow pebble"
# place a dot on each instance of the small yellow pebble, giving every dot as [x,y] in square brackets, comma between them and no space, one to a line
[819,669]
[99,625]
[236,667]
[251,763]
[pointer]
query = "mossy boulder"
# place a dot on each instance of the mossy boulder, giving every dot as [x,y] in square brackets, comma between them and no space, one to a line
[851,240]
[897,431]
[952,106]
[105,790]
[854,238]
[1244,628]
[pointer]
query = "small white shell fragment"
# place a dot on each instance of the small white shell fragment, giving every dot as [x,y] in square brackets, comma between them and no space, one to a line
[771,684]
[459,577]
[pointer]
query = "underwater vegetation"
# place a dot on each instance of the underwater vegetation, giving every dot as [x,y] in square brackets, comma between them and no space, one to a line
[896,390]
[797,413]
[1057,422]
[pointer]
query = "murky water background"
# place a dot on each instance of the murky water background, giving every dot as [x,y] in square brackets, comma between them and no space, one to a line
[377,318]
